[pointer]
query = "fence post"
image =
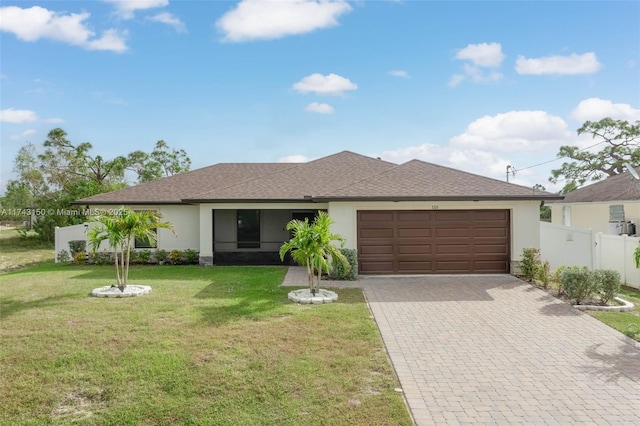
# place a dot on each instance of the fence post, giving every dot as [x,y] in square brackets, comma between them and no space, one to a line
[56,243]
[595,249]
[623,278]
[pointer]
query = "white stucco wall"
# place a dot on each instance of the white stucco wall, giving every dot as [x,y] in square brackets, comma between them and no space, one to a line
[182,217]
[525,218]
[594,215]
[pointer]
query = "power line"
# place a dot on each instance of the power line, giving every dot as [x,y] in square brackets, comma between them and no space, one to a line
[559,158]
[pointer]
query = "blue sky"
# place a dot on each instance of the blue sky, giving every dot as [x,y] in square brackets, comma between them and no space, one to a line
[472,85]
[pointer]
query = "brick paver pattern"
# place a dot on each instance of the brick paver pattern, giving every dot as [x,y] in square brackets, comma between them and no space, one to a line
[496,350]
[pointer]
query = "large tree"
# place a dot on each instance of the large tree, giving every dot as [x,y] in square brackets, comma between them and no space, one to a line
[621,144]
[60,172]
[163,161]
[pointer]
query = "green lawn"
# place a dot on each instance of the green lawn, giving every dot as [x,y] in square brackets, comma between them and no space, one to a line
[16,251]
[625,322]
[218,345]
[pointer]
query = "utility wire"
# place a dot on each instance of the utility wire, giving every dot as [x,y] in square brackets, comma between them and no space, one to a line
[558,158]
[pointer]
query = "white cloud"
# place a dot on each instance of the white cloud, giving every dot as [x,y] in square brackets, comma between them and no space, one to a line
[36,22]
[11,115]
[586,63]
[483,54]
[294,158]
[456,79]
[171,20]
[330,84]
[595,109]
[399,73]
[516,138]
[479,57]
[127,8]
[110,40]
[319,108]
[22,135]
[514,131]
[271,19]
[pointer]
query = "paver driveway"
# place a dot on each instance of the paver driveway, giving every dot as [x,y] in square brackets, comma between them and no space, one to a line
[492,349]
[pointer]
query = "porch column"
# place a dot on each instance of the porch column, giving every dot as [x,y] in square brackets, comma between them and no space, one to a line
[206,235]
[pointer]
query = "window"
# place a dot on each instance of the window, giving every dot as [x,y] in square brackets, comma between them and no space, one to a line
[566,215]
[616,213]
[144,243]
[248,228]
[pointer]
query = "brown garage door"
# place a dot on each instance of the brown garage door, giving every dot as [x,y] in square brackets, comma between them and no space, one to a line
[433,241]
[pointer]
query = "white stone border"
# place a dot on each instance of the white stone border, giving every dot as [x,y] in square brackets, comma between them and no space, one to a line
[626,306]
[114,292]
[305,296]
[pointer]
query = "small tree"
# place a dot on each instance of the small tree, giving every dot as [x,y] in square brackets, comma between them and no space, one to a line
[120,229]
[311,245]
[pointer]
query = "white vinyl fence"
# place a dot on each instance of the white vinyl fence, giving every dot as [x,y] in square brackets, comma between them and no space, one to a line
[571,246]
[71,233]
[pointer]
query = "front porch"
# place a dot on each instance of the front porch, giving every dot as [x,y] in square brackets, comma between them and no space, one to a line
[251,236]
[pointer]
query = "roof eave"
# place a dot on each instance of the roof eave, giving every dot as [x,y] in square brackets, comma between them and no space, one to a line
[443,198]
[248,200]
[129,202]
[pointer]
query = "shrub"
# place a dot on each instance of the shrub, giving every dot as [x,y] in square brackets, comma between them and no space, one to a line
[578,283]
[63,256]
[529,263]
[161,256]
[76,246]
[543,273]
[143,256]
[191,257]
[175,257]
[608,282]
[555,278]
[339,272]
[103,258]
[80,258]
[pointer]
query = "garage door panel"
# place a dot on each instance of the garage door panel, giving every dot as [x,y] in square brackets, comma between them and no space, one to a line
[376,233]
[377,267]
[414,216]
[414,232]
[491,232]
[414,249]
[434,241]
[489,248]
[376,249]
[414,267]
[453,266]
[452,215]
[457,232]
[452,249]
[376,216]
[497,215]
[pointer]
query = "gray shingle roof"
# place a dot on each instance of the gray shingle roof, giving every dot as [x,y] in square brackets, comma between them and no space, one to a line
[421,180]
[622,187]
[345,175]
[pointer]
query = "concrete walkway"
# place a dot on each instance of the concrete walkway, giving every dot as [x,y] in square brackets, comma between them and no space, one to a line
[495,350]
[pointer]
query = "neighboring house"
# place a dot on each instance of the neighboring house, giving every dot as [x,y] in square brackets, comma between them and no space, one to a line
[411,218]
[607,206]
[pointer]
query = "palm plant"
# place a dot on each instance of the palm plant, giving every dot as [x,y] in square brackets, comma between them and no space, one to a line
[636,256]
[312,245]
[120,229]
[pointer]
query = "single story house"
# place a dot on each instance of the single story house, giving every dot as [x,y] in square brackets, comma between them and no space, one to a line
[607,206]
[411,218]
